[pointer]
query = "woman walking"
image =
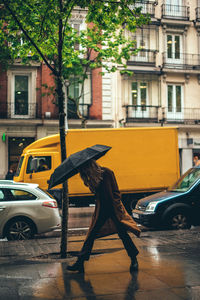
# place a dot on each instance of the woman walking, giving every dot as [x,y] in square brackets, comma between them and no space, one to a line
[109,216]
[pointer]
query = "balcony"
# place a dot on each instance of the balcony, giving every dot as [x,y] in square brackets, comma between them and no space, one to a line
[183,116]
[142,113]
[31,111]
[84,110]
[158,114]
[182,61]
[22,111]
[147,7]
[143,57]
[178,12]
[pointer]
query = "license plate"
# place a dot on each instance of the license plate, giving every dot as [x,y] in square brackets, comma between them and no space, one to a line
[136,216]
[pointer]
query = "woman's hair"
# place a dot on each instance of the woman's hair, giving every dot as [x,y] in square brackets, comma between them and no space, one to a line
[91,174]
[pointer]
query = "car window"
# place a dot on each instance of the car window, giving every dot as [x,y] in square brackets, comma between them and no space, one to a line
[45,193]
[1,195]
[43,164]
[186,181]
[19,166]
[18,195]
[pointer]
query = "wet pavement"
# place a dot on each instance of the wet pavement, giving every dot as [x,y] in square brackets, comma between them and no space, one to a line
[169,268]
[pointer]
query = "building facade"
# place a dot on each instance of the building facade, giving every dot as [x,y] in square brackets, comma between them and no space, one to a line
[165,87]
[163,90]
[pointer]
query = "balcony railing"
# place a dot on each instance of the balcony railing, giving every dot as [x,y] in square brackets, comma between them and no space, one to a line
[171,11]
[147,7]
[182,116]
[142,113]
[8,111]
[198,14]
[27,111]
[83,109]
[143,57]
[158,114]
[182,61]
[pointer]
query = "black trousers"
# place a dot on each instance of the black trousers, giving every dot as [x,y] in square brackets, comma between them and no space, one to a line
[130,247]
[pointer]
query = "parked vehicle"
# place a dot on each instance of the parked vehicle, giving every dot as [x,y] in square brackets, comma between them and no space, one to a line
[176,208]
[26,210]
[144,160]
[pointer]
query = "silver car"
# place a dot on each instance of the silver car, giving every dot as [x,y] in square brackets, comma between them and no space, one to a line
[26,210]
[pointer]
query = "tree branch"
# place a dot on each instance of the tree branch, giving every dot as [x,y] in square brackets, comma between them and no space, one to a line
[28,37]
[64,27]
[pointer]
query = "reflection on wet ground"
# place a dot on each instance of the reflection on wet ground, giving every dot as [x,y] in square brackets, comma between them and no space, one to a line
[168,269]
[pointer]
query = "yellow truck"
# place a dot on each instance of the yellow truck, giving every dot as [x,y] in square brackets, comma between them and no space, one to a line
[145,160]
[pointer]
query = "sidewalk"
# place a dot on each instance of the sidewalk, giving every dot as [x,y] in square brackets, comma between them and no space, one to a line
[168,269]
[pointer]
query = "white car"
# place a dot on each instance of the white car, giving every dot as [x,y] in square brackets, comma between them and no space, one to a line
[26,210]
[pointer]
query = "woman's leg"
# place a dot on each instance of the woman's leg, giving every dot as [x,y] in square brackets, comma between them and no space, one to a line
[87,246]
[89,242]
[130,247]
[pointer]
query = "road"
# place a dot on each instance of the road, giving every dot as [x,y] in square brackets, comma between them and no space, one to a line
[80,217]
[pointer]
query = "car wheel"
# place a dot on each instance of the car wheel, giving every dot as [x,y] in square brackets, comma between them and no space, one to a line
[20,229]
[178,220]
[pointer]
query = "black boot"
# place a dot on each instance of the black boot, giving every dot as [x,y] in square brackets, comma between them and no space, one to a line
[77,266]
[134,265]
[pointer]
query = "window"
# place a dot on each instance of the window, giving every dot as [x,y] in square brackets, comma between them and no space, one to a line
[43,164]
[134,92]
[173,48]
[17,195]
[16,146]
[77,28]
[139,93]
[78,25]
[143,45]
[143,5]
[174,101]
[1,195]
[139,97]
[174,8]
[22,93]
[73,91]
[79,96]
[19,166]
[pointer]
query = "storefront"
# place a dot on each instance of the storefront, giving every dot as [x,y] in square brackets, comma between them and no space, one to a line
[16,146]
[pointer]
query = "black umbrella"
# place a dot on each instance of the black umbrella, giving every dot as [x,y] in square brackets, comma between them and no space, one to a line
[69,167]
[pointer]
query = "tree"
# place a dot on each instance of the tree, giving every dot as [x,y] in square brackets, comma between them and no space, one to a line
[42,30]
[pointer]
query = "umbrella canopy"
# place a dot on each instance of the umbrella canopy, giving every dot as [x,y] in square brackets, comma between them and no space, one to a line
[69,167]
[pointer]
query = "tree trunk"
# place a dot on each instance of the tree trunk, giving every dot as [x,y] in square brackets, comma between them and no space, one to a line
[65,198]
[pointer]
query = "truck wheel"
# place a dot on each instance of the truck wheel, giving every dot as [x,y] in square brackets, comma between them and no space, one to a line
[178,219]
[20,229]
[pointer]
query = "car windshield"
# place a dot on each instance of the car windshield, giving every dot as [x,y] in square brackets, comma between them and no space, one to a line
[186,181]
[19,166]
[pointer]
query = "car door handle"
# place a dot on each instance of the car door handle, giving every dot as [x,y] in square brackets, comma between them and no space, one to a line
[2,208]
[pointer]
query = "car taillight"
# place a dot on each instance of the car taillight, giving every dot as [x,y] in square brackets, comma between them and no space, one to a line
[50,203]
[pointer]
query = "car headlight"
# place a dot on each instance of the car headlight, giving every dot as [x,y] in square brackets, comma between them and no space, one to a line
[151,206]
